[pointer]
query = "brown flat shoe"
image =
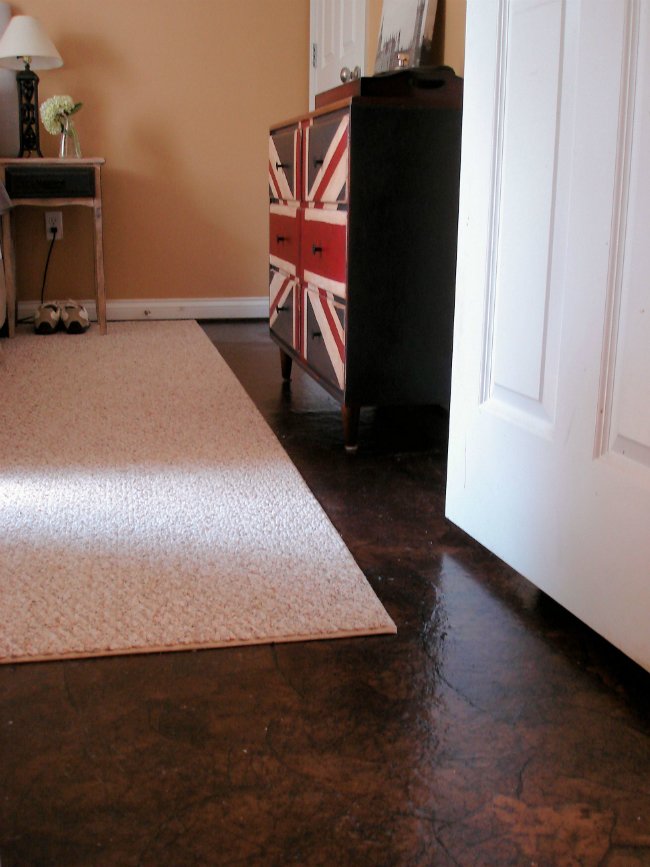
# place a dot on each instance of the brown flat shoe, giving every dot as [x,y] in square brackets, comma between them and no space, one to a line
[74,317]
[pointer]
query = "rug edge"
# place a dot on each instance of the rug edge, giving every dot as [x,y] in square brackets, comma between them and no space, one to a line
[213,645]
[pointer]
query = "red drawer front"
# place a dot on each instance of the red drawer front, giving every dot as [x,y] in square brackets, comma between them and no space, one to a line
[284,237]
[324,249]
[284,164]
[324,335]
[326,158]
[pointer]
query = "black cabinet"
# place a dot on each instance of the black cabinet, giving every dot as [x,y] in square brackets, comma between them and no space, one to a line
[363,225]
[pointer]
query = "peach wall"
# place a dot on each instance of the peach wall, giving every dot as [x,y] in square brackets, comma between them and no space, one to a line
[178,97]
[455,14]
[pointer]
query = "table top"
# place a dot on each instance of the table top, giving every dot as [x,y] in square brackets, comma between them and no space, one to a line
[52,161]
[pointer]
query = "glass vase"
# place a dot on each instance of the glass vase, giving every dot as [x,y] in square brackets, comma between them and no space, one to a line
[69,145]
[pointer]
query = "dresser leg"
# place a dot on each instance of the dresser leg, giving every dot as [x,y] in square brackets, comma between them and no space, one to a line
[285,364]
[350,416]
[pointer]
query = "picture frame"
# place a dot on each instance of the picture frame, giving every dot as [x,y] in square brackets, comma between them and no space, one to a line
[405,34]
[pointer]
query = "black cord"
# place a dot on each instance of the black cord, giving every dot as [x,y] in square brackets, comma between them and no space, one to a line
[47,262]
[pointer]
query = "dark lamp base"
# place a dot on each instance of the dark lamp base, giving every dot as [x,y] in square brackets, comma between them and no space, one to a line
[27,81]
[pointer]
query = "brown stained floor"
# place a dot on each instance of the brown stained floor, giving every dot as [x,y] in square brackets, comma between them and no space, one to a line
[494,729]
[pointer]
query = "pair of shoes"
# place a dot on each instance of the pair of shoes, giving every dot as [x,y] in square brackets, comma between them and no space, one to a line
[71,315]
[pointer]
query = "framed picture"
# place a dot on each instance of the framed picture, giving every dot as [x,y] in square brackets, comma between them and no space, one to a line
[406,34]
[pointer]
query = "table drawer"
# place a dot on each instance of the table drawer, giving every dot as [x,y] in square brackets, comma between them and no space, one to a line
[324,249]
[284,237]
[324,335]
[50,182]
[326,158]
[284,147]
[283,307]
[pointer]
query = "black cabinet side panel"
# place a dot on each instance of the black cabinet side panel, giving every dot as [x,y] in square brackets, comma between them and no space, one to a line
[403,222]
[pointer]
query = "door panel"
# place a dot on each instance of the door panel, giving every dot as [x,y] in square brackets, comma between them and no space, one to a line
[338,39]
[626,372]
[520,351]
[549,456]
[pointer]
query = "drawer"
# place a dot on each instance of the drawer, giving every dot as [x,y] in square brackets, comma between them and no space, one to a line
[284,147]
[326,158]
[283,307]
[284,237]
[324,335]
[323,253]
[36,182]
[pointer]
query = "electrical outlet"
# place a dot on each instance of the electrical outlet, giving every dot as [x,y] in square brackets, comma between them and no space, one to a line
[54,220]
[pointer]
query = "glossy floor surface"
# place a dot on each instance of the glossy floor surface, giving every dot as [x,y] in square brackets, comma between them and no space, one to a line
[494,729]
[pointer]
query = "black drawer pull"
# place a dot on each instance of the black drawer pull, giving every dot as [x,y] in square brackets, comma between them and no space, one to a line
[315,249]
[315,335]
[280,239]
[282,165]
[318,163]
[282,309]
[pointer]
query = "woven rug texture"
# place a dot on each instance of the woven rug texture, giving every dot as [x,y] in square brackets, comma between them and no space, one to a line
[145,505]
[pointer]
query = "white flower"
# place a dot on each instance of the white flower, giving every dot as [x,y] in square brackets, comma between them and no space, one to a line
[54,111]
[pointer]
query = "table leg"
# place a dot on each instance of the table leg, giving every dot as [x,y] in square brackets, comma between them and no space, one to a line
[100,294]
[10,272]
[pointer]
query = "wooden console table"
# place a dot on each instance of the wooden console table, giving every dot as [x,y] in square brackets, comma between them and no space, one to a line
[46,195]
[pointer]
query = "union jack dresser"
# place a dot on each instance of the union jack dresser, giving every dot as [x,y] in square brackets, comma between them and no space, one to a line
[363,221]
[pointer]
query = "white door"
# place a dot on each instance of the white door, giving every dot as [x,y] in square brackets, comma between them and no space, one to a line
[338,40]
[549,459]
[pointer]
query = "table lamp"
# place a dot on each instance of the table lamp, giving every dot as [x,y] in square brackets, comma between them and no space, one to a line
[25,44]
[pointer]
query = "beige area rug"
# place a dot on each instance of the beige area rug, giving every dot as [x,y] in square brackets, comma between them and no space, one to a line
[145,505]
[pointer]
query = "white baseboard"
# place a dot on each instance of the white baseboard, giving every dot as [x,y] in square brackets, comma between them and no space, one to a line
[171,308]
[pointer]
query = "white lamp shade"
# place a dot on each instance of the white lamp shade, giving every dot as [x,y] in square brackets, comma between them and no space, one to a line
[25,37]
